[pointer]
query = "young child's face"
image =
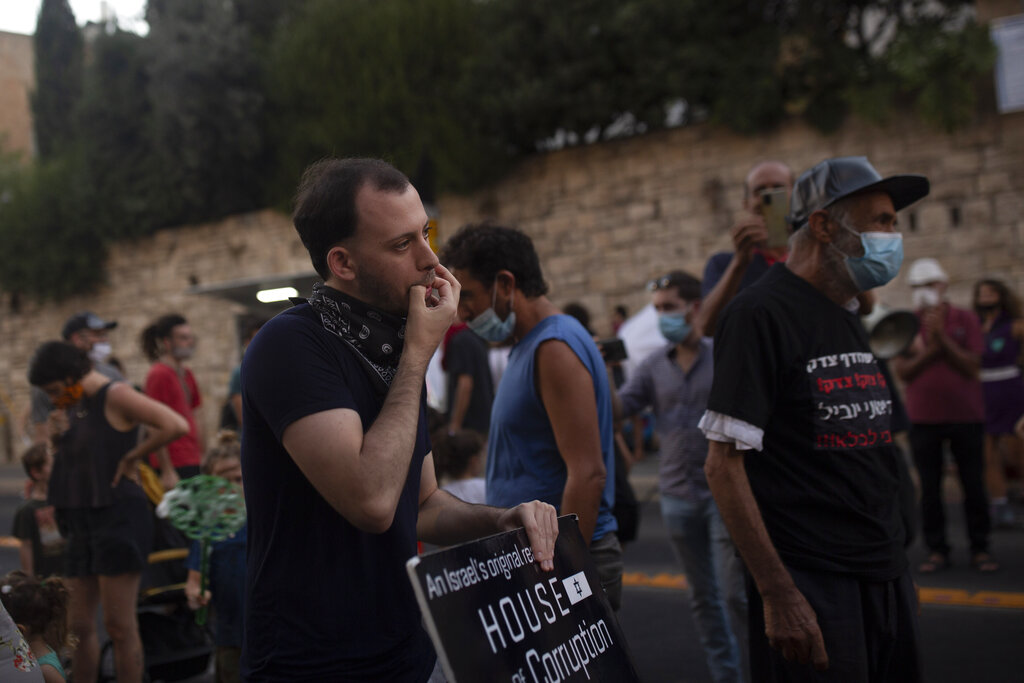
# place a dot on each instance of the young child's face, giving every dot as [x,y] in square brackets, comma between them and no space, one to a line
[230,469]
[41,474]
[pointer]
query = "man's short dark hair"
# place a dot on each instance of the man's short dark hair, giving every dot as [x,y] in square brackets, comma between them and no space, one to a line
[484,249]
[56,361]
[686,285]
[325,203]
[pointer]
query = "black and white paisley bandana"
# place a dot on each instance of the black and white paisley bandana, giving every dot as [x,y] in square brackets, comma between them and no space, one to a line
[376,337]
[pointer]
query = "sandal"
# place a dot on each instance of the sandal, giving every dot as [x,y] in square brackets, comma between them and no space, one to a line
[984,562]
[936,562]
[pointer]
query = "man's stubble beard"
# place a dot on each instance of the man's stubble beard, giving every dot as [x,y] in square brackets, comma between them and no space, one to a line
[837,275]
[380,292]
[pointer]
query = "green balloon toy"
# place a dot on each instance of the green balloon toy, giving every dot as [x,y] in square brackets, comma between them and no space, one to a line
[206,509]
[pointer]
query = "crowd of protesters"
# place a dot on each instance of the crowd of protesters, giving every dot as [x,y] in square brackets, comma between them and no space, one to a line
[783,485]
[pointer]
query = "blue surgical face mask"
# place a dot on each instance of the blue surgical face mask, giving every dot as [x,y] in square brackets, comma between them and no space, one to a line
[673,326]
[489,326]
[883,256]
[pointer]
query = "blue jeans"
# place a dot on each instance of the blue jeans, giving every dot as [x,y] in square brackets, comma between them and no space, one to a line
[715,575]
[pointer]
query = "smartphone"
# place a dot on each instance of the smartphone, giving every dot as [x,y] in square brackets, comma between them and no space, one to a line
[774,207]
[613,350]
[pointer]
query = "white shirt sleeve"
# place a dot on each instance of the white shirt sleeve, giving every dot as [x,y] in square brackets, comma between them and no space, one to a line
[727,429]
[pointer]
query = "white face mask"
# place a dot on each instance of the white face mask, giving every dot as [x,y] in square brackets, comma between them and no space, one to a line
[926,297]
[100,352]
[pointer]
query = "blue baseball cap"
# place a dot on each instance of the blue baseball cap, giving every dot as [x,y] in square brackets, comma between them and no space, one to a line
[835,179]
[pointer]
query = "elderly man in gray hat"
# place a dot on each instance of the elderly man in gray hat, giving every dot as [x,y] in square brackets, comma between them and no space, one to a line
[801,460]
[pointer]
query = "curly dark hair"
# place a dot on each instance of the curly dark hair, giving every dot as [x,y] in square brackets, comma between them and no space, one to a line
[41,606]
[325,203]
[483,249]
[55,361]
[157,330]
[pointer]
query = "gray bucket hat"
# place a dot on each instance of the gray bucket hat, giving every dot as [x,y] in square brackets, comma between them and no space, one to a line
[834,179]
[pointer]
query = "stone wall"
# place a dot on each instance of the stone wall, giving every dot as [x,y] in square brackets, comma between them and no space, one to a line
[150,277]
[17,79]
[605,219]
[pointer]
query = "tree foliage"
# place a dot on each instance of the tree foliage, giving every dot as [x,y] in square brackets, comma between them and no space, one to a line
[58,69]
[584,66]
[206,110]
[220,107]
[49,252]
[380,78]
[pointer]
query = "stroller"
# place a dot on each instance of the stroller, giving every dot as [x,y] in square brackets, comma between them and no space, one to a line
[175,647]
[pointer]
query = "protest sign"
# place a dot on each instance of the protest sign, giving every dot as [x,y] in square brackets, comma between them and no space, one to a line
[494,615]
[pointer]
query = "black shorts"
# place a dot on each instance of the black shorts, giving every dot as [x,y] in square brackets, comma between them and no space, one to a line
[107,541]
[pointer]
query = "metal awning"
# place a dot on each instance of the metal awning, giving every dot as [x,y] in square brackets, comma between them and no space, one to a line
[243,291]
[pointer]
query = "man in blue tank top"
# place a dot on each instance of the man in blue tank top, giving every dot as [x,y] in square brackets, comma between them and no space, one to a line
[551,424]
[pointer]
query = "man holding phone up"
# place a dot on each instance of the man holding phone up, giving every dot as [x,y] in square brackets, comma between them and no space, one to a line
[759,238]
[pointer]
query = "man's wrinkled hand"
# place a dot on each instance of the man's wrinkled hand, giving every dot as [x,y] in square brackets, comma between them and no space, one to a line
[792,628]
[541,523]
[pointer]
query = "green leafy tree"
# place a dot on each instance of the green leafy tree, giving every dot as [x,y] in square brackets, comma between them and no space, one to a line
[580,68]
[58,68]
[206,110]
[49,251]
[378,78]
[127,193]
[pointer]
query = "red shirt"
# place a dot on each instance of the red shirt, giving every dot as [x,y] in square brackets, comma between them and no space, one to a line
[942,395]
[164,385]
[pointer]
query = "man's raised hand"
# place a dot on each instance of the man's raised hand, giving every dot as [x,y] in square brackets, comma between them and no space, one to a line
[748,234]
[432,309]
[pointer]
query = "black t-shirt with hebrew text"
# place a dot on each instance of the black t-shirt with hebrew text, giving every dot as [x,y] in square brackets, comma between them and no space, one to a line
[795,364]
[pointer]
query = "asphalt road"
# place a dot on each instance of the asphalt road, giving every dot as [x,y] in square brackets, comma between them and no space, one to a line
[972,625]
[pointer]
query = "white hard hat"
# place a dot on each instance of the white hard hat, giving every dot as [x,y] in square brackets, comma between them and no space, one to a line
[925,271]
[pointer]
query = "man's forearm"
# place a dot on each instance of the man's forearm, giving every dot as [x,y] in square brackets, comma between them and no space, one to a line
[720,295]
[730,487]
[447,520]
[582,496]
[388,445]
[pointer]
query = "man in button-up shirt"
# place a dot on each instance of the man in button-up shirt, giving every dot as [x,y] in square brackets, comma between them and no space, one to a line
[675,382]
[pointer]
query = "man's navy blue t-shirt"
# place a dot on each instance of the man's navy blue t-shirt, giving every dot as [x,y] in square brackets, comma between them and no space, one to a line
[324,600]
[714,269]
